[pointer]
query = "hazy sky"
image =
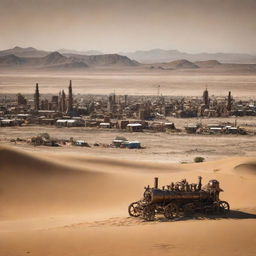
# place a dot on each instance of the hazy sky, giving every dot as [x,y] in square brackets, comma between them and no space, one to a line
[127,25]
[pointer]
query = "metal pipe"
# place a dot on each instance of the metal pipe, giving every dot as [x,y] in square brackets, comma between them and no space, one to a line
[156,182]
[199,183]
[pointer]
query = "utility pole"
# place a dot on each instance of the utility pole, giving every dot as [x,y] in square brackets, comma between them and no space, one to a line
[158,90]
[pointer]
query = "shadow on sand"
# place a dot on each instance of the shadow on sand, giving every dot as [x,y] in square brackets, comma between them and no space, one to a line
[233,214]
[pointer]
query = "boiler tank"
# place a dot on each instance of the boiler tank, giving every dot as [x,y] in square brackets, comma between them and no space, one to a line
[158,195]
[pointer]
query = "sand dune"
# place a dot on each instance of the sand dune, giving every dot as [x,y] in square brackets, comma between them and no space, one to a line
[248,167]
[77,205]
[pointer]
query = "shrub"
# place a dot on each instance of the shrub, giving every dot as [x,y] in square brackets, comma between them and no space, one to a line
[199,159]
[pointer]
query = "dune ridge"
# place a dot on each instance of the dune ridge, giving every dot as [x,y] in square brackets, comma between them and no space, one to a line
[68,182]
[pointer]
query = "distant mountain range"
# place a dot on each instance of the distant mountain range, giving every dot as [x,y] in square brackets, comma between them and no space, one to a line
[208,66]
[159,55]
[35,59]
[31,58]
[150,56]
[24,52]
[32,52]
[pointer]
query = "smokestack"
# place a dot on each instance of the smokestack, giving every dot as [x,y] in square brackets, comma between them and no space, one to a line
[156,182]
[199,182]
[37,97]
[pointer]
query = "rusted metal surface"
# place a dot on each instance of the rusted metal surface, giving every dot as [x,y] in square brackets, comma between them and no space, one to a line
[179,199]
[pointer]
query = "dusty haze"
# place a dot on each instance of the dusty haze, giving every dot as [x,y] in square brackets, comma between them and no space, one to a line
[112,26]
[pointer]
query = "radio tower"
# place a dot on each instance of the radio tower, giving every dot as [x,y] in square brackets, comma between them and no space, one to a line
[158,90]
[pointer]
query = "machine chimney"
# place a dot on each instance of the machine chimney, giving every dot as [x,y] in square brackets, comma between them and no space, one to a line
[156,182]
[199,182]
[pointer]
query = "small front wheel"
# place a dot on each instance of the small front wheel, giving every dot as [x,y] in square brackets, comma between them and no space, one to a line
[134,209]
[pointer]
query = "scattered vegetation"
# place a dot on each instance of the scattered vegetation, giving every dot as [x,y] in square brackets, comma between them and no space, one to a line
[199,159]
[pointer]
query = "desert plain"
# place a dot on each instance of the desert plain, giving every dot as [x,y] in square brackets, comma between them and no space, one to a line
[73,201]
[128,81]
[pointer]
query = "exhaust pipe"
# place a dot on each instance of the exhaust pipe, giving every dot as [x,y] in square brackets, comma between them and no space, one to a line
[156,182]
[199,183]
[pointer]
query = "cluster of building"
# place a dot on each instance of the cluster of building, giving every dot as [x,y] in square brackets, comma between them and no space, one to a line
[44,139]
[133,113]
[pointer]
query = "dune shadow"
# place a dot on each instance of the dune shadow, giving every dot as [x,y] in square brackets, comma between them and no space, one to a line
[233,214]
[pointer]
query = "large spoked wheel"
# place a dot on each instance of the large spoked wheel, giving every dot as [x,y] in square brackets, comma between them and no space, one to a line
[223,207]
[171,211]
[134,209]
[149,213]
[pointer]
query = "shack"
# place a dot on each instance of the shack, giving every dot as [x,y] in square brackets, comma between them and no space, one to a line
[191,128]
[215,128]
[61,123]
[119,141]
[10,122]
[105,125]
[81,143]
[231,129]
[69,123]
[134,127]
[170,126]
[131,144]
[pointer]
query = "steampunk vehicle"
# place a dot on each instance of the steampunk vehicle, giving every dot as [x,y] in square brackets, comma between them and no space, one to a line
[179,199]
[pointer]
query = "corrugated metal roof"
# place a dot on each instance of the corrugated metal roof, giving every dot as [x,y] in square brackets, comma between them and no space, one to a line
[134,125]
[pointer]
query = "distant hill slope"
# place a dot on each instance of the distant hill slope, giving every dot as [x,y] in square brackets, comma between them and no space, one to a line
[181,64]
[209,66]
[104,60]
[177,64]
[55,60]
[52,59]
[208,63]
[160,55]
[24,52]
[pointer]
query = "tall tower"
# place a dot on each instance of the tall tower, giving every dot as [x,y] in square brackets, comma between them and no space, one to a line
[70,97]
[206,98]
[111,102]
[229,104]
[59,101]
[125,100]
[37,97]
[63,102]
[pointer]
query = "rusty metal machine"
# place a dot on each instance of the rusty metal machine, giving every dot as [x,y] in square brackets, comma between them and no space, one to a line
[179,199]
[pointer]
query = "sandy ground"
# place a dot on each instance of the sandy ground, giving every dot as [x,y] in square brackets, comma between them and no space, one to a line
[181,83]
[158,147]
[55,203]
